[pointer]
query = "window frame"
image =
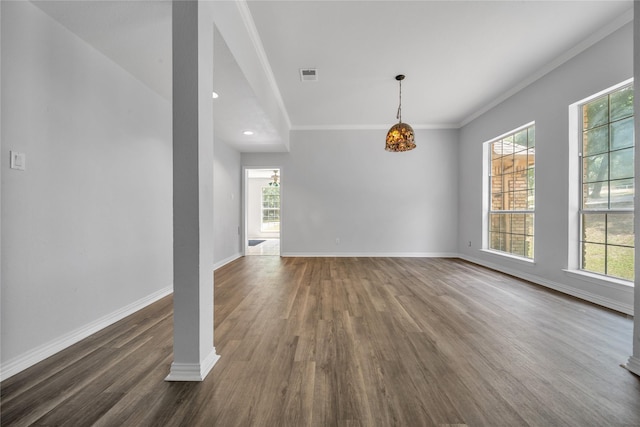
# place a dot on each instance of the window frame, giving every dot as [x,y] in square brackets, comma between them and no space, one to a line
[488,195]
[264,225]
[580,212]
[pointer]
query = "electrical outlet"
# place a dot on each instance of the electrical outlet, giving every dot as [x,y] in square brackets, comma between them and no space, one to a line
[337,240]
[469,243]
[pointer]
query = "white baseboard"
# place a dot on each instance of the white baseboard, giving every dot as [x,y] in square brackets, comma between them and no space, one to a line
[570,290]
[633,365]
[227,260]
[371,254]
[38,354]
[193,371]
[188,372]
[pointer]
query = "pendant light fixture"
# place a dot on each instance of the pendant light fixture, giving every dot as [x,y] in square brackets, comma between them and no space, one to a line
[400,136]
[274,179]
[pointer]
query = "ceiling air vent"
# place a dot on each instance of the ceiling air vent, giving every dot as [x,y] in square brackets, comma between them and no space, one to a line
[308,75]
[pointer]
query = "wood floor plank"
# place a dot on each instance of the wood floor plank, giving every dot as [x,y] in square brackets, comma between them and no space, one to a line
[350,342]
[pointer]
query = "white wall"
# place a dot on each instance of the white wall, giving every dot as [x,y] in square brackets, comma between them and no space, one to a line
[546,102]
[227,202]
[86,229]
[344,185]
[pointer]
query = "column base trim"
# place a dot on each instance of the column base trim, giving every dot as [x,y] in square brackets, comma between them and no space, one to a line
[633,365]
[192,371]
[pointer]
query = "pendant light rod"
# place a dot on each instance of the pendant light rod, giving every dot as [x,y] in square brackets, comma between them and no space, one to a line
[399,78]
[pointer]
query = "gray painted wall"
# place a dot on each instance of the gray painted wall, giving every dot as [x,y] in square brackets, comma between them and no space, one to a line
[227,202]
[344,185]
[86,229]
[546,102]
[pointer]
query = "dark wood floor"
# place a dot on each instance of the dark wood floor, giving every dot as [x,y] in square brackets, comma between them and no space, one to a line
[350,342]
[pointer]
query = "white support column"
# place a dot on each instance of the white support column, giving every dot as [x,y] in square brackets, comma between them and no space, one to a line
[633,364]
[1,138]
[193,351]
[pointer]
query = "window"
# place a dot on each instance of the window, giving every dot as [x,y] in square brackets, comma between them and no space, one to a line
[270,209]
[607,184]
[512,192]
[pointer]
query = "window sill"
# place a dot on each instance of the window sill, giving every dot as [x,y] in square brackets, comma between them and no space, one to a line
[599,279]
[509,256]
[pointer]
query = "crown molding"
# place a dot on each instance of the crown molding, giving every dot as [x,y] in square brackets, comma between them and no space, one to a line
[252,31]
[372,127]
[594,38]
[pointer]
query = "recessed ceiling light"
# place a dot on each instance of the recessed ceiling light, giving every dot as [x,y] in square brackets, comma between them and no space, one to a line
[247,132]
[214,95]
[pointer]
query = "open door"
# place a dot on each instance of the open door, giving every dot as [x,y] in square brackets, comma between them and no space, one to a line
[262,211]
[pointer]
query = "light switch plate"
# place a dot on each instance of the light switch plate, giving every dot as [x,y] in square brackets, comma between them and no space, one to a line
[18,160]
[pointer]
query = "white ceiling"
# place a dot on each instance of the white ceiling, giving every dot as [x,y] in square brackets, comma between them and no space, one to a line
[237,109]
[457,56]
[460,57]
[134,34]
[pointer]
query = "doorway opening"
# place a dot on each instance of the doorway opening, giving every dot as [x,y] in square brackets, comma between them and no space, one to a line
[262,211]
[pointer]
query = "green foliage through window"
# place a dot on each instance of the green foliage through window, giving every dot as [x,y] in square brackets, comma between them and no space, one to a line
[608,185]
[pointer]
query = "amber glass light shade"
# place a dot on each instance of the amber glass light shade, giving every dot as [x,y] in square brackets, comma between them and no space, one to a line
[400,138]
